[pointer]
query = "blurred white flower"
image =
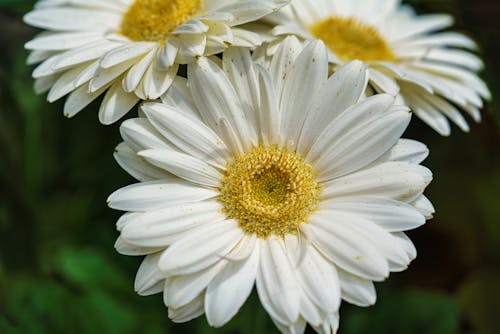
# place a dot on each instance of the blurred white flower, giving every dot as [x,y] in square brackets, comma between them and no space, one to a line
[130,48]
[433,71]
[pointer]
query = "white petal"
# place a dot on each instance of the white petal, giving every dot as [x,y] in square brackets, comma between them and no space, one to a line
[62,41]
[187,133]
[149,280]
[397,180]
[246,11]
[219,37]
[83,54]
[310,311]
[37,56]
[87,74]
[125,219]
[184,166]
[356,290]
[116,104]
[427,113]
[136,166]
[181,290]
[281,63]
[269,115]
[406,150]
[364,112]
[405,242]
[361,145]
[342,90]
[319,281]
[423,24]
[243,249]
[140,135]
[179,95]
[168,53]
[70,19]
[189,311]
[104,76]
[245,38]
[43,84]
[217,100]
[346,248]
[156,82]
[384,242]
[238,65]
[214,15]
[308,73]
[276,283]
[383,83]
[297,327]
[330,325]
[64,83]
[391,215]
[456,73]
[457,57]
[79,99]
[47,67]
[204,247]
[136,73]
[125,248]
[156,194]
[425,207]
[126,52]
[191,47]
[450,39]
[162,227]
[191,27]
[447,109]
[231,287]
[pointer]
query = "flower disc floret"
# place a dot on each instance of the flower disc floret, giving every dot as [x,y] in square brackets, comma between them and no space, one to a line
[155,20]
[351,39]
[269,191]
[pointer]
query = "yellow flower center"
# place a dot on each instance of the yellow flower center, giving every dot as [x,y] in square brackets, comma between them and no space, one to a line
[350,39]
[269,191]
[155,20]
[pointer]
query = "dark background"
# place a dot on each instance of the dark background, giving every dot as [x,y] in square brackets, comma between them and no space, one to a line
[59,272]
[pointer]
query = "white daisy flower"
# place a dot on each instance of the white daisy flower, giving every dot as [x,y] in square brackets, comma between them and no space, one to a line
[130,48]
[434,71]
[281,177]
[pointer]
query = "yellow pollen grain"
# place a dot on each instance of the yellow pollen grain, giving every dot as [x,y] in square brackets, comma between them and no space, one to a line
[350,39]
[155,20]
[269,191]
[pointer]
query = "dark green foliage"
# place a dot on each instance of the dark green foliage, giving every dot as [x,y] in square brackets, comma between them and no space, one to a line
[59,272]
[410,311]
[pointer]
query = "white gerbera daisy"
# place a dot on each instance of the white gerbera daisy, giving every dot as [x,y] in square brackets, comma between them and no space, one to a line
[405,53]
[130,48]
[278,177]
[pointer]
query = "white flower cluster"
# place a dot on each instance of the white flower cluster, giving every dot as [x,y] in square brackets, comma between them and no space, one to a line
[277,160]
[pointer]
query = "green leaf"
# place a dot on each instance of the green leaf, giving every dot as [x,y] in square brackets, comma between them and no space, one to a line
[479,298]
[88,269]
[404,312]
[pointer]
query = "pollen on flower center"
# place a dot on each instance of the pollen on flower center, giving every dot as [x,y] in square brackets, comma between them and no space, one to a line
[350,39]
[155,20]
[269,191]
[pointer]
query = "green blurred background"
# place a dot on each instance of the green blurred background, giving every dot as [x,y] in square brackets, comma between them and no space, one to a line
[59,272]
